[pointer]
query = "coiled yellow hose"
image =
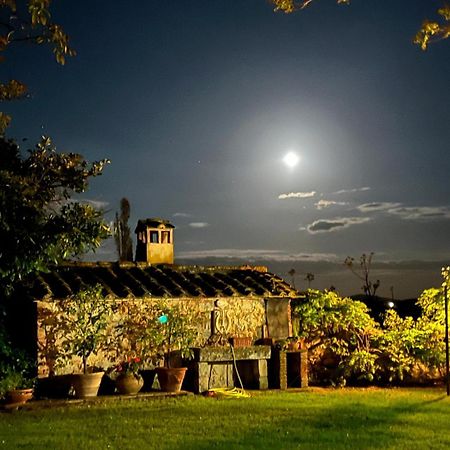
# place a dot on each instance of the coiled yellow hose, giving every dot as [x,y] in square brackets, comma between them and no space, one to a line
[228,393]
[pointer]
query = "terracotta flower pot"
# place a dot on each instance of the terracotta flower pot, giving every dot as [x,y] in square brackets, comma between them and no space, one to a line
[87,385]
[241,341]
[19,396]
[129,384]
[170,379]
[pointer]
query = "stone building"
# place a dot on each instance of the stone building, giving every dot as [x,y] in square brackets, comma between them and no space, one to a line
[232,300]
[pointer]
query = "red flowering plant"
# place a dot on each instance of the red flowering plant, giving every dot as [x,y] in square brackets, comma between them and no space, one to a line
[130,366]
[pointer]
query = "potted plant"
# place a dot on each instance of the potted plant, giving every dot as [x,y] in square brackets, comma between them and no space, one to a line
[128,380]
[16,373]
[84,329]
[177,335]
[17,388]
[139,335]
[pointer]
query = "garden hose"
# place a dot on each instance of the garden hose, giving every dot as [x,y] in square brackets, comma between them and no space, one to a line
[224,392]
[227,393]
[235,366]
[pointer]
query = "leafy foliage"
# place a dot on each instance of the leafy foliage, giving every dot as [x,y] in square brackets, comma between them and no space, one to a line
[434,30]
[129,366]
[398,346]
[28,21]
[290,6]
[16,369]
[139,332]
[430,31]
[176,330]
[124,332]
[416,347]
[340,335]
[431,323]
[346,344]
[83,325]
[39,225]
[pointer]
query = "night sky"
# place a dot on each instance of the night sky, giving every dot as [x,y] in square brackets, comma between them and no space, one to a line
[197,102]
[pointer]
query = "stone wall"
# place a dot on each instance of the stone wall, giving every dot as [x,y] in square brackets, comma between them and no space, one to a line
[233,316]
[279,317]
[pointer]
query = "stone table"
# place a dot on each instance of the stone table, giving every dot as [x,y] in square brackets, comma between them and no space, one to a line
[215,367]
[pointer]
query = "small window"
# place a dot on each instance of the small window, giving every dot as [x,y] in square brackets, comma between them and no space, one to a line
[154,237]
[165,237]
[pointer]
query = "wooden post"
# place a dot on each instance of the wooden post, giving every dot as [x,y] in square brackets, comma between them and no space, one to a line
[447,380]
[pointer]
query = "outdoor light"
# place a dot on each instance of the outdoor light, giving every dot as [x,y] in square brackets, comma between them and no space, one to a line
[391,304]
[446,276]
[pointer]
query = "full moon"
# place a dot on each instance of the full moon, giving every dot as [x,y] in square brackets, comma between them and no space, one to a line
[291,159]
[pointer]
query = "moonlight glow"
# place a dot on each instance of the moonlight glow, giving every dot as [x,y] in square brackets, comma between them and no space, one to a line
[291,159]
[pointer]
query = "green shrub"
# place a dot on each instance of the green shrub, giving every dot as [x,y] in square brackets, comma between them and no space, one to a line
[16,369]
[347,346]
[341,337]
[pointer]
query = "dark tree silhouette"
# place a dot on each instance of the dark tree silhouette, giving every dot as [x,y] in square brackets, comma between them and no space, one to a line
[40,223]
[365,262]
[309,278]
[292,275]
[122,234]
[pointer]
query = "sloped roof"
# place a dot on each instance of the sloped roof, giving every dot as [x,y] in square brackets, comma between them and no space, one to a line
[153,222]
[124,280]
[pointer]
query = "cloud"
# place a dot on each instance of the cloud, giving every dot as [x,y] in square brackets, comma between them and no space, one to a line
[297,195]
[256,254]
[181,214]
[322,204]
[423,213]
[377,206]
[326,226]
[199,224]
[348,191]
[97,204]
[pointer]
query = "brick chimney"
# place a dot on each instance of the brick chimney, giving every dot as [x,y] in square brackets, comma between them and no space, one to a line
[154,241]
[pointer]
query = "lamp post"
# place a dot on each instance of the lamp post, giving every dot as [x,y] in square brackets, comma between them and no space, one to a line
[447,379]
[446,277]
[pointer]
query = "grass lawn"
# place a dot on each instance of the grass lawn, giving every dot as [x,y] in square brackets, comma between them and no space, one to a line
[315,418]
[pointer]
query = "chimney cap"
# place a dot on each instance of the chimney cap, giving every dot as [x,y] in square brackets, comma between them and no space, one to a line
[154,222]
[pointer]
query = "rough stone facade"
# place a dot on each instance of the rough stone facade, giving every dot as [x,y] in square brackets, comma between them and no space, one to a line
[237,317]
[229,301]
